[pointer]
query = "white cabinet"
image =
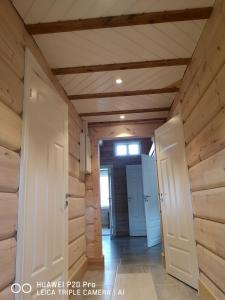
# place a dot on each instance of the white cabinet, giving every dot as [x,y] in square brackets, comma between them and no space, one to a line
[85,154]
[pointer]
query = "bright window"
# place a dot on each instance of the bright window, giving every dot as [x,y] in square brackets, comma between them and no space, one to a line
[104,187]
[127,148]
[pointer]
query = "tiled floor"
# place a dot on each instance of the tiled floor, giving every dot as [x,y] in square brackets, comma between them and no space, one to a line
[129,263]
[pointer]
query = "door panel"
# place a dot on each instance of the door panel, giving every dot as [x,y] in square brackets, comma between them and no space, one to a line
[151,202]
[177,216]
[137,225]
[43,187]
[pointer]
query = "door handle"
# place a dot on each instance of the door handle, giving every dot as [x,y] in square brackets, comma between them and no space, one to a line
[66,204]
[147,197]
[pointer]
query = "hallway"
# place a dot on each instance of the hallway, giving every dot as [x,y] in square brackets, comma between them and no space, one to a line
[130,263]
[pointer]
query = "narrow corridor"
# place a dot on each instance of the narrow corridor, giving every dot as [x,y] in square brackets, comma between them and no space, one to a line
[129,264]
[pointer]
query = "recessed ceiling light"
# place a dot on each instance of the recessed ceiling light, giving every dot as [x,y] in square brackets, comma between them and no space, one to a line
[119,81]
[122,117]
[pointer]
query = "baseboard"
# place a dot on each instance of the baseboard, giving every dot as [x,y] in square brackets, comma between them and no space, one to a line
[96,262]
[78,269]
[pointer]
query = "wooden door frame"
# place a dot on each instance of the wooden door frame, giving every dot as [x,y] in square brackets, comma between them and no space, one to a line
[31,65]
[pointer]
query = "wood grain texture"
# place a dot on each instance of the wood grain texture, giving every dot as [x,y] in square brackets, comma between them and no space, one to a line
[76,187]
[10,128]
[209,141]
[6,294]
[212,266]
[76,207]
[76,249]
[206,109]
[209,173]
[74,166]
[122,66]
[121,112]
[76,228]
[131,130]
[165,90]
[210,235]
[209,204]
[208,290]
[78,268]
[118,21]
[9,170]
[7,262]
[11,88]
[207,60]
[11,39]
[8,215]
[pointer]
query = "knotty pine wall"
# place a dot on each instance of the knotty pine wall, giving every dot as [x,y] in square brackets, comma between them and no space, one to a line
[77,224]
[13,40]
[202,103]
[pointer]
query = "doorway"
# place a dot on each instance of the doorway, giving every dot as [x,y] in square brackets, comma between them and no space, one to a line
[128,182]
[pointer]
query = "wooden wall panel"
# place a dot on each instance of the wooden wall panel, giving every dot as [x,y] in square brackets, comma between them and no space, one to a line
[208,290]
[76,228]
[213,100]
[10,128]
[202,103]
[208,59]
[210,204]
[76,187]
[209,234]
[7,262]
[9,170]
[213,266]
[76,207]
[209,141]
[76,249]
[74,166]
[8,215]
[209,173]
[78,268]
[11,92]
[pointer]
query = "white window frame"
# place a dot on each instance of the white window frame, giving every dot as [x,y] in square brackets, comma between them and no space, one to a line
[127,143]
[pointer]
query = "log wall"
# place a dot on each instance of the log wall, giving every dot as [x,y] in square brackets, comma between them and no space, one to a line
[202,104]
[13,40]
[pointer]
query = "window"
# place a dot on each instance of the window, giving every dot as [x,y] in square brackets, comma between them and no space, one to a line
[104,187]
[127,148]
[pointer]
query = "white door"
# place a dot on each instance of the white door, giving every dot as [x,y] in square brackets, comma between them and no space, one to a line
[137,225]
[42,237]
[151,201]
[177,216]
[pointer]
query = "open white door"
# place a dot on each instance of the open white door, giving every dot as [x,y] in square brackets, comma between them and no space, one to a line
[175,196]
[150,189]
[42,236]
[137,226]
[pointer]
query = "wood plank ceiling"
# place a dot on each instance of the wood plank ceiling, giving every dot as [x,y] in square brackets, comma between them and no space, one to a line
[90,44]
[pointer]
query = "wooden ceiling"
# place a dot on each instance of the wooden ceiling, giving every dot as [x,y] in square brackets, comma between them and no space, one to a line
[89,44]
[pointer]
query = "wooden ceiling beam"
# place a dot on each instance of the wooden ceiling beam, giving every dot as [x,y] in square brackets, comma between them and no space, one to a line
[124,93]
[127,122]
[124,112]
[123,66]
[119,21]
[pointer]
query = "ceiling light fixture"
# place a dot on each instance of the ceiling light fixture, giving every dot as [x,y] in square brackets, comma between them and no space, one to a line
[119,81]
[122,117]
